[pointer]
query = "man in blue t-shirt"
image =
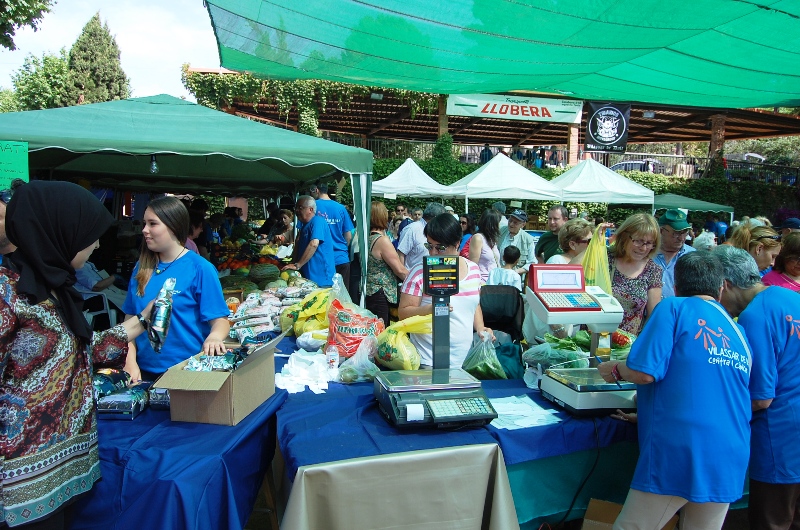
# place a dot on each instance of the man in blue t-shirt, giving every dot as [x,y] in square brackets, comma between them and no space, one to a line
[313,249]
[771,318]
[691,364]
[341,227]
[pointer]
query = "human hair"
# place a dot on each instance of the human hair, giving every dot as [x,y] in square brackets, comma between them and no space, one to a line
[470,222]
[764,220]
[790,249]
[445,229]
[199,205]
[287,213]
[378,216]
[307,200]
[499,206]
[272,208]
[511,255]
[561,208]
[432,210]
[698,273]
[175,217]
[748,237]
[322,188]
[415,210]
[572,230]
[705,241]
[196,218]
[738,266]
[216,220]
[489,226]
[638,224]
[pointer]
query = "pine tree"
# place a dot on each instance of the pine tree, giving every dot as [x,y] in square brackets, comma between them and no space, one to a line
[95,69]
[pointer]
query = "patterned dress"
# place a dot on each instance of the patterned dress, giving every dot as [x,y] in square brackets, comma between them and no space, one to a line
[379,275]
[48,447]
[632,293]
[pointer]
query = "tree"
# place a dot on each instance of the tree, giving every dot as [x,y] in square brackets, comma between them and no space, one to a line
[42,83]
[95,69]
[15,14]
[8,100]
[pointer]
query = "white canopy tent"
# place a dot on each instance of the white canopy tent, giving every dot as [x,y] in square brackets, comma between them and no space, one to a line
[502,178]
[591,181]
[409,180]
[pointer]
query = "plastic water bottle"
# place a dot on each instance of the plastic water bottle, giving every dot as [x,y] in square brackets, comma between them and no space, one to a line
[332,360]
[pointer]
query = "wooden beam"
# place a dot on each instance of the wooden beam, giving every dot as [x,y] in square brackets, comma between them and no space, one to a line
[533,132]
[694,118]
[466,126]
[400,116]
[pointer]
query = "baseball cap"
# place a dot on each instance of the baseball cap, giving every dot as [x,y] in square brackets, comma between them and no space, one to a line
[675,219]
[519,214]
[500,207]
[449,208]
[792,222]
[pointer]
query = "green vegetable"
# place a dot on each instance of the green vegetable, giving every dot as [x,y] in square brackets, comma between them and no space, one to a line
[561,344]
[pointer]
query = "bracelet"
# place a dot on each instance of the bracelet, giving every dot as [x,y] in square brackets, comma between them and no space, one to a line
[142,321]
[616,374]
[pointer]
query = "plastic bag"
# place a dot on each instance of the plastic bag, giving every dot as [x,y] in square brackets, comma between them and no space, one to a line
[313,313]
[349,325]
[395,351]
[546,355]
[312,340]
[595,262]
[359,367]
[481,361]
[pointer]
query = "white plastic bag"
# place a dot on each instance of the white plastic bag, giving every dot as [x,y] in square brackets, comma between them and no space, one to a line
[312,340]
[360,367]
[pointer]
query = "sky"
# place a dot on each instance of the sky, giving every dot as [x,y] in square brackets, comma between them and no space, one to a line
[155,38]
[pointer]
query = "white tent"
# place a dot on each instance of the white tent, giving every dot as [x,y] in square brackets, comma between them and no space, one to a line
[591,181]
[409,181]
[502,178]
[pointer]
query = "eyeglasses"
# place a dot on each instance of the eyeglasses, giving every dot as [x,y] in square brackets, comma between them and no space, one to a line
[673,233]
[6,195]
[463,222]
[439,248]
[643,243]
[583,241]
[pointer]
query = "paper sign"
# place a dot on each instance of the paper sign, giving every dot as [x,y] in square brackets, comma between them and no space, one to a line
[13,162]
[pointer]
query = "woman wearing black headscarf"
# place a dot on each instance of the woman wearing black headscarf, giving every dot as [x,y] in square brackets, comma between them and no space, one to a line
[49,436]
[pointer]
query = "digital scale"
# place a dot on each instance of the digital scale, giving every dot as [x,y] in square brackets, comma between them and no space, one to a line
[558,294]
[443,397]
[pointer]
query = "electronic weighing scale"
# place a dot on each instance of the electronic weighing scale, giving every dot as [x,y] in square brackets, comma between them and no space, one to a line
[443,397]
[558,294]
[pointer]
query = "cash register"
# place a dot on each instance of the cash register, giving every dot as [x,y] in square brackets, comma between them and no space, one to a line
[444,397]
[558,294]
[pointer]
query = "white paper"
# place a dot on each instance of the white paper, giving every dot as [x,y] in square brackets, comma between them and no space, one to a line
[415,412]
[519,412]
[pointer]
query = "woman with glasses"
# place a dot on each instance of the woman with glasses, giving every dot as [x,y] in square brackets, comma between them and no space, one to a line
[573,238]
[762,242]
[786,271]
[444,234]
[483,245]
[384,267]
[635,278]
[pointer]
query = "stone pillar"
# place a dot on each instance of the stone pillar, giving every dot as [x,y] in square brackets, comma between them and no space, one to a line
[572,144]
[442,114]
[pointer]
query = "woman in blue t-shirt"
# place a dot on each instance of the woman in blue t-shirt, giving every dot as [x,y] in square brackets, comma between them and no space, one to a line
[199,320]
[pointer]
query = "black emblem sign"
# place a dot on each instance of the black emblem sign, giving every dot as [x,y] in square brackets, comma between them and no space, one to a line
[607,127]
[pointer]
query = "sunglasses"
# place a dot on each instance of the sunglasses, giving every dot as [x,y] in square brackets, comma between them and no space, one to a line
[439,248]
[6,195]
[583,241]
[774,238]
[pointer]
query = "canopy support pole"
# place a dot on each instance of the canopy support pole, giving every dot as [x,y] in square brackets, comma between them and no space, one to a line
[362,205]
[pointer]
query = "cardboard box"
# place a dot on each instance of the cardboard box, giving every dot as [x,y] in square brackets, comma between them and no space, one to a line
[600,515]
[223,398]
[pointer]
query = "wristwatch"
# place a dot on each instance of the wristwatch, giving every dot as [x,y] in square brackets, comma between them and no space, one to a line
[143,321]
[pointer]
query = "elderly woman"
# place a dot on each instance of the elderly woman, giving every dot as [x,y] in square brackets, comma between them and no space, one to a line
[786,271]
[384,267]
[573,238]
[762,242]
[444,234]
[635,279]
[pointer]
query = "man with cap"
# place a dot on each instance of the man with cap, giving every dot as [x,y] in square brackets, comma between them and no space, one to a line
[451,211]
[513,234]
[790,225]
[674,229]
[500,207]
[341,228]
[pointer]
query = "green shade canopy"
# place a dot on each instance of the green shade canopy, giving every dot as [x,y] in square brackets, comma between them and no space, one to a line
[198,150]
[670,200]
[707,53]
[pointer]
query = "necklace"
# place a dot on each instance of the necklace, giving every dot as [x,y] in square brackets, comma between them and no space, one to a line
[159,270]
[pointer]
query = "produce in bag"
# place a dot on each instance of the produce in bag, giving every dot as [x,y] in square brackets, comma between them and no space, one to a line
[548,355]
[595,261]
[481,361]
[349,325]
[359,367]
[313,308]
[395,351]
[160,315]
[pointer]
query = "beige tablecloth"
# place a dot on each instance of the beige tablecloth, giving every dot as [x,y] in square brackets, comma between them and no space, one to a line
[458,488]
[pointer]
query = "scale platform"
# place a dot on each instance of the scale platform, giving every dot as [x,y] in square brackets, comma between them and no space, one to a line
[583,392]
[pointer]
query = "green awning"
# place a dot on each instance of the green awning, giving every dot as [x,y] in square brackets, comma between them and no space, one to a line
[198,150]
[706,53]
[670,200]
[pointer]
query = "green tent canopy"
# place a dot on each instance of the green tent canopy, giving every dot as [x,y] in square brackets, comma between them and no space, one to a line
[670,200]
[706,53]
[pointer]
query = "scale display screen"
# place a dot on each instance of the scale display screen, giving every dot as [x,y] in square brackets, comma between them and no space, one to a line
[556,278]
[440,275]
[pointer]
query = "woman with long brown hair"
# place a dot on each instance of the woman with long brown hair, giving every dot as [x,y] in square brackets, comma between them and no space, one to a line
[199,320]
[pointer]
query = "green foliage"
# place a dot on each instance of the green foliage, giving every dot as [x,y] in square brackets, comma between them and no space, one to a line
[96,74]
[42,83]
[784,150]
[8,100]
[17,14]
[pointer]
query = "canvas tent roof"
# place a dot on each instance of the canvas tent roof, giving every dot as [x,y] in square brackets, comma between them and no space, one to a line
[591,181]
[502,178]
[670,200]
[198,149]
[409,180]
[705,53]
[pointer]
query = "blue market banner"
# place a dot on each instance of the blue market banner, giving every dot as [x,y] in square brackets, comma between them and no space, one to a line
[607,127]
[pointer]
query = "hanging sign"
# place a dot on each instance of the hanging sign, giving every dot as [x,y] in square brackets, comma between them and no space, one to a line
[515,108]
[607,127]
[13,162]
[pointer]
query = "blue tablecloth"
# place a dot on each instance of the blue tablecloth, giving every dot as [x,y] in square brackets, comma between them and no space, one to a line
[163,474]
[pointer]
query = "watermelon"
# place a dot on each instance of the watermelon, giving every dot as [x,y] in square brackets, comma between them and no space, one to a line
[264,272]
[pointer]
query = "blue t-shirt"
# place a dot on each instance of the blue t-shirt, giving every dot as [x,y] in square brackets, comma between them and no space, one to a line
[320,268]
[694,420]
[196,301]
[668,276]
[772,323]
[340,223]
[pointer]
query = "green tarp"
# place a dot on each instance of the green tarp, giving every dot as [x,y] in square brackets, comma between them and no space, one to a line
[707,53]
[670,200]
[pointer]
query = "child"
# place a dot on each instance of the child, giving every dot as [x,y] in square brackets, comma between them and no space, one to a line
[507,275]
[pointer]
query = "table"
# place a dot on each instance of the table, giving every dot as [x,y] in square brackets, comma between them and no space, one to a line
[163,474]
